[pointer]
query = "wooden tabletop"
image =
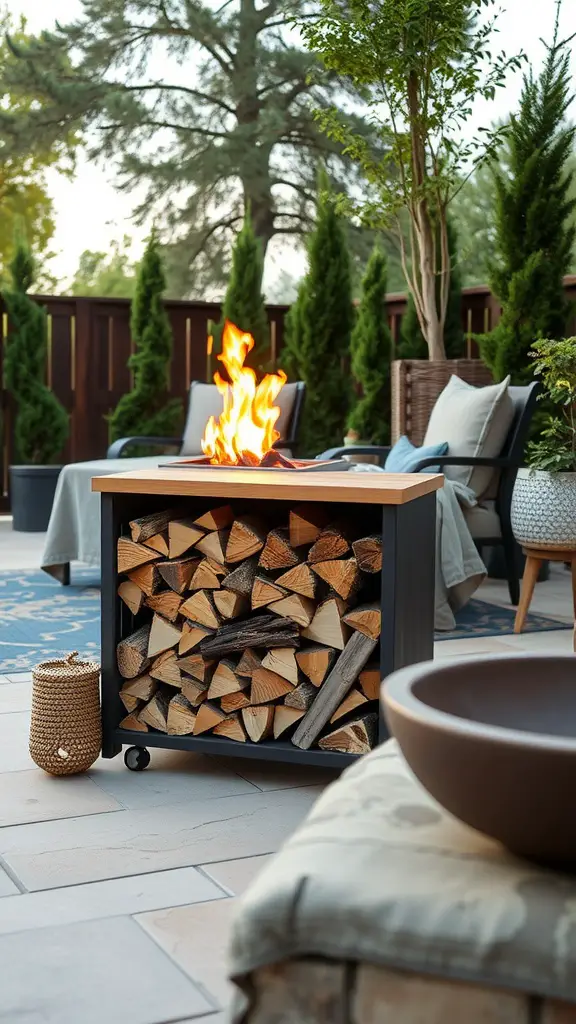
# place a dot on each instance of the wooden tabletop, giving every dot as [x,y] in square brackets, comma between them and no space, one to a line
[364,488]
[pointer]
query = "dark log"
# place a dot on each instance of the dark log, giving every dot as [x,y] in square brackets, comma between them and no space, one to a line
[368,552]
[260,631]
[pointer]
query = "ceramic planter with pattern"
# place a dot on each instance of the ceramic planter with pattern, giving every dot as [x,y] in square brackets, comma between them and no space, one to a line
[543,510]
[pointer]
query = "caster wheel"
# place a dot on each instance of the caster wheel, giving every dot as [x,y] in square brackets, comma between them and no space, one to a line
[136,759]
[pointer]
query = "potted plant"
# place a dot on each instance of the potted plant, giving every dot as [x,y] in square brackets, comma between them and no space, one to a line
[544,501]
[40,423]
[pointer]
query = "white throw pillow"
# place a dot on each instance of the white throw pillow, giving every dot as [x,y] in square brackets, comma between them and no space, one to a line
[474,422]
[206,401]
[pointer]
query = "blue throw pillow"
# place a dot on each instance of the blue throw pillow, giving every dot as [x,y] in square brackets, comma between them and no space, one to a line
[404,457]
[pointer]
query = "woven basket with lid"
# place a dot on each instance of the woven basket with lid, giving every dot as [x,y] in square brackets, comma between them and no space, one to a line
[65,730]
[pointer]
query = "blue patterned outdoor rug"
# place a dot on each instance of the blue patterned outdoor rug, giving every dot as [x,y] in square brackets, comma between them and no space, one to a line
[40,619]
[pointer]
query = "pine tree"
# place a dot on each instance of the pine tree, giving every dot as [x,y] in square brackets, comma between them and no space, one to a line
[325,320]
[244,301]
[41,426]
[412,344]
[147,409]
[371,347]
[534,218]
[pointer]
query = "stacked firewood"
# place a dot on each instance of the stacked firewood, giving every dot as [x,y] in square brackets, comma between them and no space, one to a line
[252,632]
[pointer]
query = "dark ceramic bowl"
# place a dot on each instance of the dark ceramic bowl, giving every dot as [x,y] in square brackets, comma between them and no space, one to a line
[493,740]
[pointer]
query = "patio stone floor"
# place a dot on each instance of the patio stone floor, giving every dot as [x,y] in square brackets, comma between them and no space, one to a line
[117,889]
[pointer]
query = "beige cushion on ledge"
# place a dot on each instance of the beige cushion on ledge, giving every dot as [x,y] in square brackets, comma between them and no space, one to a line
[474,422]
[206,401]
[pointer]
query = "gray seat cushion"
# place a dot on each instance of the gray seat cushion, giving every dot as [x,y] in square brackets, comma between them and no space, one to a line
[206,401]
[379,873]
[483,521]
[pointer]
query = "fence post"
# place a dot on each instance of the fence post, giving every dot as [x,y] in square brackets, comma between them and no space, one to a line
[81,384]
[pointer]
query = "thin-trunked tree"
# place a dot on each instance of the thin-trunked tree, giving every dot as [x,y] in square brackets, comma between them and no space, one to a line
[420,64]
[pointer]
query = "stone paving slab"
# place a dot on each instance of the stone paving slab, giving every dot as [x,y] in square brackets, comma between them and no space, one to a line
[33,795]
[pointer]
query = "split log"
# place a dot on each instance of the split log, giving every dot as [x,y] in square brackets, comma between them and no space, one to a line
[316,662]
[165,669]
[229,604]
[299,609]
[200,608]
[132,721]
[181,716]
[268,686]
[192,634]
[306,524]
[182,535]
[166,603]
[148,526]
[178,574]
[264,591]
[209,715]
[366,619]
[285,718]
[132,653]
[332,692]
[278,553]
[197,666]
[301,697]
[333,542]
[370,680]
[342,575]
[232,729]
[194,691]
[282,660]
[156,712]
[241,580]
[205,577]
[225,680]
[300,580]
[131,555]
[213,545]
[159,543]
[248,662]
[216,519]
[217,567]
[130,702]
[258,722]
[357,737]
[247,537]
[147,578]
[260,631]
[368,552]
[132,596]
[163,636]
[354,700]
[143,687]
[327,627]
[234,702]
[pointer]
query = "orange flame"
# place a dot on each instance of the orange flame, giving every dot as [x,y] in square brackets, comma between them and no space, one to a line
[245,431]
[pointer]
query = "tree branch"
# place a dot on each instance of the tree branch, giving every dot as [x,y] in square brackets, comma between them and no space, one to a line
[179,88]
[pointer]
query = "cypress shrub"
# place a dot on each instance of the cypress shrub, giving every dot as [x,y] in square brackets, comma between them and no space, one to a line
[244,302]
[371,347]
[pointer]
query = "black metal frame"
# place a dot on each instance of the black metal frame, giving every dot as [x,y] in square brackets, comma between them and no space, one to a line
[506,464]
[407,597]
[118,447]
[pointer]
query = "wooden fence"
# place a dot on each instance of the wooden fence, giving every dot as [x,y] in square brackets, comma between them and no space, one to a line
[89,345]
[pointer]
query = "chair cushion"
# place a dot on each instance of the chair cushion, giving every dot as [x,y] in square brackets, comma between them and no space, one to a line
[404,456]
[205,401]
[483,521]
[475,422]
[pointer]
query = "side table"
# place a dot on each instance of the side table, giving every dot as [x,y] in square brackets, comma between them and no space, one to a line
[534,559]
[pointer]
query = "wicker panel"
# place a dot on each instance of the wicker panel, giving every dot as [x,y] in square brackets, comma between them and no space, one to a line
[65,730]
[416,384]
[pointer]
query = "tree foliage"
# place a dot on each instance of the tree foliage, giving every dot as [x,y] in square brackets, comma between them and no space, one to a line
[320,325]
[371,350]
[244,301]
[420,64]
[412,343]
[41,425]
[147,410]
[236,131]
[535,228]
[112,275]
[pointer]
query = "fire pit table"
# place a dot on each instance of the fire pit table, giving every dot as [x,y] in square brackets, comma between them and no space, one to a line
[254,611]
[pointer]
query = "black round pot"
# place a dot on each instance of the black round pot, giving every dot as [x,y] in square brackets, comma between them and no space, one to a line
[32,491]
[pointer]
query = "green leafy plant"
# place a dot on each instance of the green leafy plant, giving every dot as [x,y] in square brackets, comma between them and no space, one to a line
[244,301]
[41,426]
[555,451]
[371,347]
[147,410]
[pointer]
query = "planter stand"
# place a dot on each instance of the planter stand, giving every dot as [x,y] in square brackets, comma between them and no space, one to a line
[535,557]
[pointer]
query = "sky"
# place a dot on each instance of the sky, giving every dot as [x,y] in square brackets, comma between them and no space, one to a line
[90,213]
